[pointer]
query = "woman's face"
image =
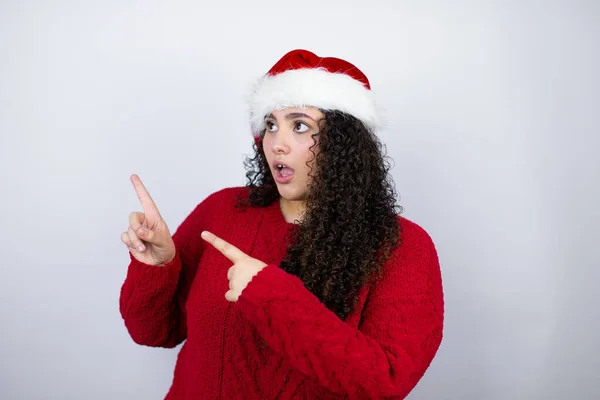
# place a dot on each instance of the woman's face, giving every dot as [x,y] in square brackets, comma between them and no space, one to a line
[287,142]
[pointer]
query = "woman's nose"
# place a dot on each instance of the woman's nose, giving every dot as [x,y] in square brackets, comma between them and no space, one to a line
[280,148]
[280,144]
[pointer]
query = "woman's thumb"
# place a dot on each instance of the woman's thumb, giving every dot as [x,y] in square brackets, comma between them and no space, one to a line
[145,234]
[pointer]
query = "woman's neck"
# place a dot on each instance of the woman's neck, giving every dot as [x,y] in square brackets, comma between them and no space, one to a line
[292,210]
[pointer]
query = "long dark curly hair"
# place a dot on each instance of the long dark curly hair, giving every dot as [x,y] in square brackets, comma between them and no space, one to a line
[350,224]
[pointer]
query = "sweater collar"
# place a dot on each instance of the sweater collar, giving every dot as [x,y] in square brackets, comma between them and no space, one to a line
[275,218]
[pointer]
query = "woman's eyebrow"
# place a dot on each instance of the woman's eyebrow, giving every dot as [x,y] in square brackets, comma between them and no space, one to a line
[298,115]
[292,116]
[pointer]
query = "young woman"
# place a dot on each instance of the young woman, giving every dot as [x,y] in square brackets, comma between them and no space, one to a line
[304,284]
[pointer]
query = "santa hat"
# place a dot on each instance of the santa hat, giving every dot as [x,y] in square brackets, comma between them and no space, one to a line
[303,79]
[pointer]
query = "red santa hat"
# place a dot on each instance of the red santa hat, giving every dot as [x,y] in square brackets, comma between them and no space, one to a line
[303,79]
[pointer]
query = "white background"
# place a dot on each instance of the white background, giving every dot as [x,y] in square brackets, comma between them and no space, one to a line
[492,121]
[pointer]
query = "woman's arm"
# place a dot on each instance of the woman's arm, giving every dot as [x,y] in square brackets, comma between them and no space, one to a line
[399,333]
[152,298]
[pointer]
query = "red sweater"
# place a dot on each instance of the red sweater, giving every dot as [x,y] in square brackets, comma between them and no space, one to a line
[278,341]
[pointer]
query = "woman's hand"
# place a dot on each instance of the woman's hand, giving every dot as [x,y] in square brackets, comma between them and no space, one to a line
[148,237]
[244,267]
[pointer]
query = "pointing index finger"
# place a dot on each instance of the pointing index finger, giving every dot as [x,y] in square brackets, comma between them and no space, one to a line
[145,198]
[228,250]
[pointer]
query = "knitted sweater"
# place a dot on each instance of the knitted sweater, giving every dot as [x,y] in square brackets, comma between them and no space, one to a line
[278,341]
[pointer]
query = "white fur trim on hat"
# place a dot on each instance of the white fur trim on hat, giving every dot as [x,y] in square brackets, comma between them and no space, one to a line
[310,87]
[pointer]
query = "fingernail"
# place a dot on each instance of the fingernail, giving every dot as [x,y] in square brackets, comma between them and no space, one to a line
[140,248]
[204,234]
[143,230]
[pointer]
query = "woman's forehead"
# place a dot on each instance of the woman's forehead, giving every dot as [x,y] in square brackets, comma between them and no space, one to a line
[311,112]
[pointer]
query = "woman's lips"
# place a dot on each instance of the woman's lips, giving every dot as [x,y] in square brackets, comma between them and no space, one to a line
[284,175]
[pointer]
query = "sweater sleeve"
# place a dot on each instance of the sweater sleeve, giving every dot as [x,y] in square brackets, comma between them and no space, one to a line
[152,298]
[399,334]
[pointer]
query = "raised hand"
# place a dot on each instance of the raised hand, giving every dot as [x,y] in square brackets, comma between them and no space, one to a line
[244,267]
[148,237]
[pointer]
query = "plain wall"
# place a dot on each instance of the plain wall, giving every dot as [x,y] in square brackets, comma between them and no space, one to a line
[492,122]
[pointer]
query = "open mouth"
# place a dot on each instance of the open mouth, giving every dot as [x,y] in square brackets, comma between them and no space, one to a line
[284,170]
[283,173]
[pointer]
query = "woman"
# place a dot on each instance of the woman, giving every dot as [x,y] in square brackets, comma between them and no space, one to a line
[304,284]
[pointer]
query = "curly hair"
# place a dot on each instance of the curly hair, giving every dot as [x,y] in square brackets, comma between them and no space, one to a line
[350,225]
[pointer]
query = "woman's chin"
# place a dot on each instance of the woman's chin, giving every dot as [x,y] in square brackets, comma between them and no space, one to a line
[291,193]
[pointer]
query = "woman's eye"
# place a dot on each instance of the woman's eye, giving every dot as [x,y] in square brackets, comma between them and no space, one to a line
[270,126]
[301,127]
